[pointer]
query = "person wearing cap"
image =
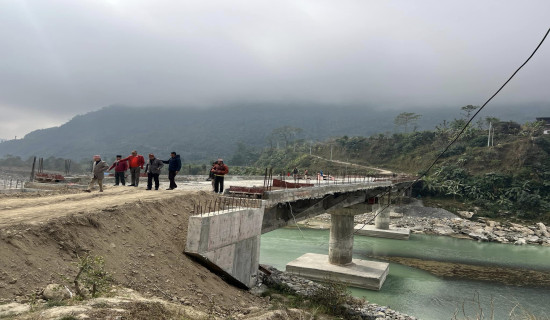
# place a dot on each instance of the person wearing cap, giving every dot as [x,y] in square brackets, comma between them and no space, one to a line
[120,170]
[220,169]
[98,169]
[174,166]
[152,169]
[135,162]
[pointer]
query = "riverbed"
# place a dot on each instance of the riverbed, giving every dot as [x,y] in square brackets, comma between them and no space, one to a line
[437,294]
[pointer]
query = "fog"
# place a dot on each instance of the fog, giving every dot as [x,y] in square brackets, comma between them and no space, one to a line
[65,57]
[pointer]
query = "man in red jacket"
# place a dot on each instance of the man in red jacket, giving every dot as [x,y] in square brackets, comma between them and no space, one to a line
[120,170]
[136,162]
[219,170]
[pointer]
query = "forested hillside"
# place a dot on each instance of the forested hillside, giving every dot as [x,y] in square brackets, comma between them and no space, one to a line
[507,175]
[206,133]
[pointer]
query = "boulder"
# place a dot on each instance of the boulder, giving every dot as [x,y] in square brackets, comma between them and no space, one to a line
[443,230]
[491,223]
[478,236]
[466,214]
[533,239]
[13,309]
[520,242]
[56,292]
[541,227]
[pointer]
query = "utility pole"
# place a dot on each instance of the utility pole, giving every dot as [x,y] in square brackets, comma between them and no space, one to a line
[489,137]
[32,170]
[331,152]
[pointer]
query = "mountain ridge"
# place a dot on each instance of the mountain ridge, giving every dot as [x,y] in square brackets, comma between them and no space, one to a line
[206,133]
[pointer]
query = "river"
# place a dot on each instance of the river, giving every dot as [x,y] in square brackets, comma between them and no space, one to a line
[420,293]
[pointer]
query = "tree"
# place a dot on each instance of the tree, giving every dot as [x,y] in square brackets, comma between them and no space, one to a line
[286,133]
[404,119]
[468,110]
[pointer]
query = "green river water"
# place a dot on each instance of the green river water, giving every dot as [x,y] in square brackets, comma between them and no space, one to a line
[419,293]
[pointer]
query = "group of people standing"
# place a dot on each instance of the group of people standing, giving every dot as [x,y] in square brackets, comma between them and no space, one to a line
[136,162]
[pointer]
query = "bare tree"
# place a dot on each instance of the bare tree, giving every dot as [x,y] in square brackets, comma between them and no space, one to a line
[404,119]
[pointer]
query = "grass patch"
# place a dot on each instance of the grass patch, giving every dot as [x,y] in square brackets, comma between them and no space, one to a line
[328,300]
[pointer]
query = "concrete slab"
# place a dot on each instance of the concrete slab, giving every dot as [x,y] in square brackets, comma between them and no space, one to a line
[393,233]
[360,273]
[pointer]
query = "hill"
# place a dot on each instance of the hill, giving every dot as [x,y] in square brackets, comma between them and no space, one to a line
[508,179]
[201,134]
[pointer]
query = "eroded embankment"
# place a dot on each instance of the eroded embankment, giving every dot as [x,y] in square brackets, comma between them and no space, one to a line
[142,243]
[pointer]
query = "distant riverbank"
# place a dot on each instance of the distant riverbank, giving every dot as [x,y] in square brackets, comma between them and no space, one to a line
[437,221]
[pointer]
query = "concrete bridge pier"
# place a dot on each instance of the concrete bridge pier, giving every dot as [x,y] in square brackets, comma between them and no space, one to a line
[382,219]
[381,227]
[340,245]
[339,265]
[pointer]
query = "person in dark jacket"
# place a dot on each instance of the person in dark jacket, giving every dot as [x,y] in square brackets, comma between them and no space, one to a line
[153,171]
[219,170]
[120,170]
[174,166]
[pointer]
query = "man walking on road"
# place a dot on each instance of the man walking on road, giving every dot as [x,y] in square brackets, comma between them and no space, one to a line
[120,170]
[174,166]
[219,170]
[136,163]
[153,171]
[98,169]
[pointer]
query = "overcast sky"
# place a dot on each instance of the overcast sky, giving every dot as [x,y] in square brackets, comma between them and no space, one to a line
[60,58]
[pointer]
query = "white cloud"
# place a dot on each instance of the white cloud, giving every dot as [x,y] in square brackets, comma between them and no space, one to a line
[69,57]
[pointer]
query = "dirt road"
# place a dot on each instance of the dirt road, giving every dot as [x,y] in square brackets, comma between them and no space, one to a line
[36,208]
[140,234]
[381,171]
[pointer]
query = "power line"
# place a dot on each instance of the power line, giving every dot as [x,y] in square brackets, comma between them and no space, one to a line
[463,129]
[478,111]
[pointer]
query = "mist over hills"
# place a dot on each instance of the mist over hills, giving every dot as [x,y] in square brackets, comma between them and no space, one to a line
[200,134]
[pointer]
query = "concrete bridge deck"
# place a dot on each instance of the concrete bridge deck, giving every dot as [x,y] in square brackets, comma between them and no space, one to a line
[287,206]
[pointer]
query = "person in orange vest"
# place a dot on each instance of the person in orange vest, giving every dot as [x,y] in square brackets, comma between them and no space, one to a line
[219,170]
[135,162]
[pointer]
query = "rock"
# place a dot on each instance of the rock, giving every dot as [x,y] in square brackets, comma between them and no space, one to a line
[541,227]
[479,237]
[396,215]
[56,292]
[466,214]
[443,230]
[298,314]
[252,310]
[533,239]
[520,242]
[272,315]
[13,309]
[259,290]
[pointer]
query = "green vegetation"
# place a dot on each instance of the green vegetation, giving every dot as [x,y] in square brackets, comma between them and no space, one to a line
[509,179]
[331,299]
[91,278]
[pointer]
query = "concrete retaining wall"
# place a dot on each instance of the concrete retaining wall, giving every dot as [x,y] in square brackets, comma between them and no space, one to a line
[229,240]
